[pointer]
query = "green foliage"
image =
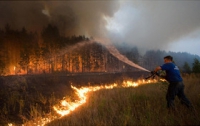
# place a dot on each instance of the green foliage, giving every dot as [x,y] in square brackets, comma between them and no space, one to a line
[196,66]
[186,68]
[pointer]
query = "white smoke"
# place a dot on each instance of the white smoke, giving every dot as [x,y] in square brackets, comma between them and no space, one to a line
[154,24]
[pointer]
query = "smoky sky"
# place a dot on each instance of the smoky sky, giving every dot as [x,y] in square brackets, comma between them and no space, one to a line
[156,24]
[146,24]
[71,17]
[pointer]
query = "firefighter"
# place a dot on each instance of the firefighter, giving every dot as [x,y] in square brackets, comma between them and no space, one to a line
[176,86]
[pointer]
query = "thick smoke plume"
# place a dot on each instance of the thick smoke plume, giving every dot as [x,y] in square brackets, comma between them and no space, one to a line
[146,24]
[72,17]
[156,24]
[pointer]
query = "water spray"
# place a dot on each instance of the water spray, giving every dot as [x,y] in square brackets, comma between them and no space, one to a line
[118,55]
[64,107]
[110,48]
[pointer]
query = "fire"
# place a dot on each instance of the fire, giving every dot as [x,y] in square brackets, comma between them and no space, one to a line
[130,84]
[65,107]
[9,124]
[135,84]
[14,70]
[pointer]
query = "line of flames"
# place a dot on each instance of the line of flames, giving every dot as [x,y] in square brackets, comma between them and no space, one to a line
[65,108]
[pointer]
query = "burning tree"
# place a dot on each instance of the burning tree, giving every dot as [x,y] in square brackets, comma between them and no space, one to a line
[2,58]
[50,52]
[28,51]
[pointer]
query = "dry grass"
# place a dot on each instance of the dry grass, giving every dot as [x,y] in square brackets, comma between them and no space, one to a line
[144,105]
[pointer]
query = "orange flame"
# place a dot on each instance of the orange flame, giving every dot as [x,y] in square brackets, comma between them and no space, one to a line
[65,108]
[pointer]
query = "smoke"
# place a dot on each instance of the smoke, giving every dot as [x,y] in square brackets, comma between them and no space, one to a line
[20,14]
[155,24]
[146,24]
[73,47]
[71,17]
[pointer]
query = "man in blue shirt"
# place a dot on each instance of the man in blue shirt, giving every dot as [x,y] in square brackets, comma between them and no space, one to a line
[176,86]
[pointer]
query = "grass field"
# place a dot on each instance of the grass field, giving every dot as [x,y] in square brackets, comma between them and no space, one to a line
[143,105]
[26,99]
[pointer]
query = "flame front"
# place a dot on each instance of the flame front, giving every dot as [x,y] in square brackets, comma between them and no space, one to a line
[65,107]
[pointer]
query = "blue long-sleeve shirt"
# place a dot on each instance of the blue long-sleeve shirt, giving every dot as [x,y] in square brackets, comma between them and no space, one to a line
[172,72]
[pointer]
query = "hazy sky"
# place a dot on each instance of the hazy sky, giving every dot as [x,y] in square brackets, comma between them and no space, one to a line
[160,24]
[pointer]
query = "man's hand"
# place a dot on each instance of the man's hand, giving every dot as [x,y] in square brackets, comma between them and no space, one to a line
[153,72]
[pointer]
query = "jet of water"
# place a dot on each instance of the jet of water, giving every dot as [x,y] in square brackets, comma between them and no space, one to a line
[118,55]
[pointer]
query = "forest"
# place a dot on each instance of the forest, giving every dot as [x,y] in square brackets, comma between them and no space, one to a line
[25,52]
[76,59]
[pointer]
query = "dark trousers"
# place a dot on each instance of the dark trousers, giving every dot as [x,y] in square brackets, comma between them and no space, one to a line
[176,88]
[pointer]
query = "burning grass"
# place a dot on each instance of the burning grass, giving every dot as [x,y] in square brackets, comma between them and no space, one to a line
[144,105]
[32,97]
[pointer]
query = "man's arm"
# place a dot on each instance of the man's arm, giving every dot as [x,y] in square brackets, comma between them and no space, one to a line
[157,68]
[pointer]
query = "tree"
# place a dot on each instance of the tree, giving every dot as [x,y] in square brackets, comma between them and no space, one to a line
[51,44]
[196,66]
[2,58]
[86,66]
[153,58]
[2,67]
[28,44]
[25,59]
[133,55]
[2,63]
[186,68]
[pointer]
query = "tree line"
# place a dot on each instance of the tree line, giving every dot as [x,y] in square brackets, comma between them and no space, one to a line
[24,52]
[187,63]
